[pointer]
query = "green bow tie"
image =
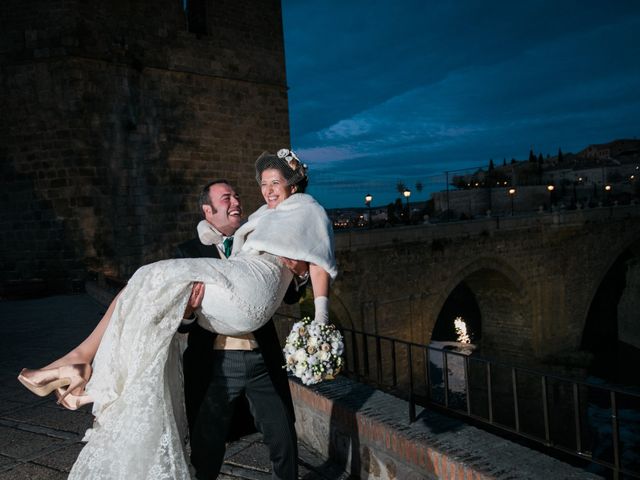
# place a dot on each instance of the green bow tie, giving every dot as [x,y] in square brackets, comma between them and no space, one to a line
[227,244]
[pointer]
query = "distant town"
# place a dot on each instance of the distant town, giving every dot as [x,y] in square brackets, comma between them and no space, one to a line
[599,175]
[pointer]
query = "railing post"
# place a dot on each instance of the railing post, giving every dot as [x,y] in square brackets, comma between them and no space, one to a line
[354,353]
[427,375]
[467,386]
[365,353]
[576,417]
[545,411]
[412,399]
[445,377]
[379,359]
[616,436]
[516,410]
[489,393]
[393,363]
[347,364]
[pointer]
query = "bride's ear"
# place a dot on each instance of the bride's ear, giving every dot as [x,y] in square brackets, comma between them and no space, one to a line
[294,189]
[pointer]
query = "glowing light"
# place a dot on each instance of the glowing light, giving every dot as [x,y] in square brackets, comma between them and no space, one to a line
[461,330]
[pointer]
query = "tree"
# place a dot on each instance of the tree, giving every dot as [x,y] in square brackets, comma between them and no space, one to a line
[560,159]
[398,208]
[532,156]
[540,159]
[400,187]
[491,165]
[391,214]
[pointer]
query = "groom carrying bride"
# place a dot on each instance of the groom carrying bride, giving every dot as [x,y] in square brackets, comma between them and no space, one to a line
[230,379]
[129,368]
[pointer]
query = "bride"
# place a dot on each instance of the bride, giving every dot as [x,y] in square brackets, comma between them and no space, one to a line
[136,382]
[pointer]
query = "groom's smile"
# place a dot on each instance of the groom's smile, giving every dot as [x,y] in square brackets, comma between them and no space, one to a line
[225,211]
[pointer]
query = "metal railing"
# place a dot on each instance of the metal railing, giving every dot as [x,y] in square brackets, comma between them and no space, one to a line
[595,423]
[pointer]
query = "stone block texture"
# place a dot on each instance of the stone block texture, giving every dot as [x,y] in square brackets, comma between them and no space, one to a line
[534,278]
[114,115]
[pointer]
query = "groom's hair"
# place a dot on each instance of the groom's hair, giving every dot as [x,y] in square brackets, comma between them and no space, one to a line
[205,199]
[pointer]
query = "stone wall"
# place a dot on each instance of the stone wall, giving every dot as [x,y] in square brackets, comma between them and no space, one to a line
[114,116]
[534,278]
[478,201]
[368,434]
[629,306]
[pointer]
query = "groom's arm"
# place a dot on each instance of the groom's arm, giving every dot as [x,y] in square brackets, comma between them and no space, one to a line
[300,270]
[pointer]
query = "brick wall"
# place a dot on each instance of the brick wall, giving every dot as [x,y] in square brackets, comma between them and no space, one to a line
[114,116]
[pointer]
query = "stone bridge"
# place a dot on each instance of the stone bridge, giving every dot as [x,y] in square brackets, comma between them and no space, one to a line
[540,285]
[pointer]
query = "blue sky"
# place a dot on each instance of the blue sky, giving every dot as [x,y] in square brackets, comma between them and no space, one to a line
[382,92]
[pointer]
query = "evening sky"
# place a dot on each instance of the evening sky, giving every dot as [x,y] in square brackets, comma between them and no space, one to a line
[382,92]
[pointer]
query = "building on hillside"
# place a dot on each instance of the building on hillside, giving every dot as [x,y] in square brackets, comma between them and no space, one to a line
[600,174]
[613,149]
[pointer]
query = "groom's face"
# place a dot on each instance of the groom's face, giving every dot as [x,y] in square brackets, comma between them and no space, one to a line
[225,211]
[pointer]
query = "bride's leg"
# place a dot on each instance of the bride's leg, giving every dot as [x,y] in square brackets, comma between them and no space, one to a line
[85,352]
[68,374]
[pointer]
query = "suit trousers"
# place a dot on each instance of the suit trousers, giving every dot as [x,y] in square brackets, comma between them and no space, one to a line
[237,372]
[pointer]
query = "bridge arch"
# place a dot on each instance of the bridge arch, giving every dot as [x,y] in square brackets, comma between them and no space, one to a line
[611,331]
[340,312]
[493,292]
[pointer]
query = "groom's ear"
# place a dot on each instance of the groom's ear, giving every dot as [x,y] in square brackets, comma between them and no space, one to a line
[207,210]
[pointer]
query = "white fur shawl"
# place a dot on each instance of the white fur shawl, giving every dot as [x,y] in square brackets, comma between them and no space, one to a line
[297,228]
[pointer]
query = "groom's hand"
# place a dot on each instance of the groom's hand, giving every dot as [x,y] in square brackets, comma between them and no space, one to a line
[300,268]
[195,299]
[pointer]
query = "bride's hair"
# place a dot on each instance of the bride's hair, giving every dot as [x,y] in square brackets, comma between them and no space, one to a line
[287,163]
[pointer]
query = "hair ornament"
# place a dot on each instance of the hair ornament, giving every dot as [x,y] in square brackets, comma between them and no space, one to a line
[292,160]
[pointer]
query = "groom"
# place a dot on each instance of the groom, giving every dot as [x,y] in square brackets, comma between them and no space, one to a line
[229,379]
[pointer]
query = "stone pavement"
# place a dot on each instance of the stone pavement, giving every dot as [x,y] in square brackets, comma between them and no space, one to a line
[40,440]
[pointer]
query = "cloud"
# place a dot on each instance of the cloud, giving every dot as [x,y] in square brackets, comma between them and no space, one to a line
[349,128]
[407,91]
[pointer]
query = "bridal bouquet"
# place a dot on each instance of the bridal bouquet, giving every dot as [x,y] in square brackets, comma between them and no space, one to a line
[313,351]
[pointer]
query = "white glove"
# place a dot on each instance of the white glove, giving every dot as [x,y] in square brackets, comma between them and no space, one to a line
[322,310]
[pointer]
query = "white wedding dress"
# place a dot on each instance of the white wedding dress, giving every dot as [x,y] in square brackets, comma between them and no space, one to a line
[140,423]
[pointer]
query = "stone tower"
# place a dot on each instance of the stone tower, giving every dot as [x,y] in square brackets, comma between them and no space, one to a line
[114,114]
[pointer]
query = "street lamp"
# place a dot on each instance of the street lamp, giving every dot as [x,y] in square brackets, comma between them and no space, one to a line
[407,194]
[607,190]
[512,193]
[367,201]
[550,189]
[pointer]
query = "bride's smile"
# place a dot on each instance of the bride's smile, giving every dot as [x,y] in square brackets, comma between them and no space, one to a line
[274,187]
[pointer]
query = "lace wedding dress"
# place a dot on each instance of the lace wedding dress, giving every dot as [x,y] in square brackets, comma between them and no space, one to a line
[140,423]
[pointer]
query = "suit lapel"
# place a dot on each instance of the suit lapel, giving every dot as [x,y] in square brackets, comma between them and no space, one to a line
[210,251]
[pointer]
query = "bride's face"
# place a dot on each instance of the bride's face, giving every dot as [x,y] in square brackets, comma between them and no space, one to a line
[274,187]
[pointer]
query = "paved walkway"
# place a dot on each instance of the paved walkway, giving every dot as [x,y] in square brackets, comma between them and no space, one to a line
[40,440]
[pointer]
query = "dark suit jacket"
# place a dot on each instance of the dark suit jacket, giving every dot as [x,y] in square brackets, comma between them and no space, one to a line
[198,357]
